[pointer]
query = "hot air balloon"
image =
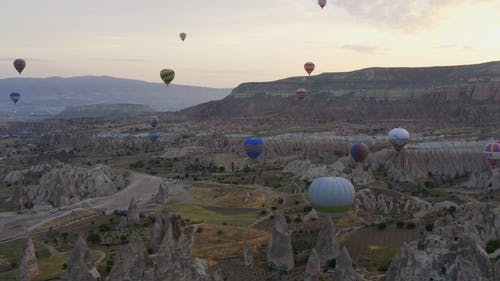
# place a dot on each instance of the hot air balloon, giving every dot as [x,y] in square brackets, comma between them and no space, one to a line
[183,36]
[167,75]
[15,97]
[492,153]
[359,151]
[254,147]
[154,121]
[399,137]
[309,67]
[322,3]
[153,136]
[331,195]
[19,64]
[301,93]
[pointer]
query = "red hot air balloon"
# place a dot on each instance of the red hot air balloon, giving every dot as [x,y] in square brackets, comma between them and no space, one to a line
[309,67]
[19,64]
[301,93]
[322,3]
[359,151]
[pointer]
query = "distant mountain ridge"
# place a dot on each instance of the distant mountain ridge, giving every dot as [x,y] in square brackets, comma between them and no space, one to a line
[468,94]
[52,95]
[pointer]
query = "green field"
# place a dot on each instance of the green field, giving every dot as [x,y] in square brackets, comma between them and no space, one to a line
[199,214]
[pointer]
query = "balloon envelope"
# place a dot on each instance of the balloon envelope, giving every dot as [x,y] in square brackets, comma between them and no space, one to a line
[154,121]
[19,65]
[359,152]
[167,75]
[153,136]
[399,137]
[331,194]
[309,67]
[254,147]
[301,93]
[15,97]
[492,153]
[183,36]
[322,3]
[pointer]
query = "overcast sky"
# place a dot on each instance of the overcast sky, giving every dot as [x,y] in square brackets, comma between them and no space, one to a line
[235,41]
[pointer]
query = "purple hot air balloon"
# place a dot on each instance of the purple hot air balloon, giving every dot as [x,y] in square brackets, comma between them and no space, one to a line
[322,3]
[359,152]
[19,64]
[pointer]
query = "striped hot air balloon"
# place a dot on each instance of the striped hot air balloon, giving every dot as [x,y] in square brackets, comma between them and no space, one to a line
[301,93]
[254,147]
[322,3]
[19,65]
[167,75]
[492,153]
[309,67]
[359,152]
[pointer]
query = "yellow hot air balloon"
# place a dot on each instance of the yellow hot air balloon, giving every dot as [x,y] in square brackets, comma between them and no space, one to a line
[167,75]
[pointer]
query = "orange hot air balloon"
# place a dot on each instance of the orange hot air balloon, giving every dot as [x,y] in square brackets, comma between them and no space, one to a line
[301,93]
[309,67]
[322,3]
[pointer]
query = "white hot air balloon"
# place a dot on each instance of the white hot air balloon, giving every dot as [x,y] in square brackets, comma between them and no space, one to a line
[399,137]
[331,195]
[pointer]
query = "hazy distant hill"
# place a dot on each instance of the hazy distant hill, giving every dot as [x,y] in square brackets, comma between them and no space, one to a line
[468,93]
[105,111]
[52,95]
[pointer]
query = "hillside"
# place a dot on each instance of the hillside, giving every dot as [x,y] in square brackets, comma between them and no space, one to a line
[467,93]
[54,94]
[105,111]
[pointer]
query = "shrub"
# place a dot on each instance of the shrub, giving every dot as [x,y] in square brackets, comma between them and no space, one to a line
[94,237]
[332,263]
[400,224]
[220,232]
[104,228]
[307,209]
[382,226]
[281,200]
[64,266]
[429,227]
[492,246]
[263,213]
[410,225]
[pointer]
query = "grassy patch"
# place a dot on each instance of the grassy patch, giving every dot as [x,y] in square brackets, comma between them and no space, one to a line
[198,214]
[218,241]
[228,196]
[380,256]
[11,252]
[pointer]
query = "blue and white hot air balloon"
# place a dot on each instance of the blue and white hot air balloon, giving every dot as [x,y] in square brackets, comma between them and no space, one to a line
[399,137]
[153,136]
[331,195]
[154,120]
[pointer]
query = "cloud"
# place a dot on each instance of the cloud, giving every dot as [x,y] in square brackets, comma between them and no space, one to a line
[408,15]
[366,49]
[455,46]
[119,60]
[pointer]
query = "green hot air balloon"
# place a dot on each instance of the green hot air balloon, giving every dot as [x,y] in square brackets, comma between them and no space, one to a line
[167,75]
[183,36]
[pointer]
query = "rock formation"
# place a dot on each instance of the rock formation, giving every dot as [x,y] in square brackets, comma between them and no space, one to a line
[344,270]
[247,254]
[311,216]
[62,185]
[130,262]
[132,212]
[313,268]
[327,247]
[162,194]
[157,233]
[27,264]
[279,249]
[442,259]
[80,264]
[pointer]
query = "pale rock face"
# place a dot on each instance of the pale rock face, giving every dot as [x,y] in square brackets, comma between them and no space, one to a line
[133,212]
[279,249]
[130,262]
[313,268]
[80,264]
[441,259]
[343,268]
[311,216]
[157,233]
[28,264]
[247,254]
[327,247]
[162,194]
[61,185]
